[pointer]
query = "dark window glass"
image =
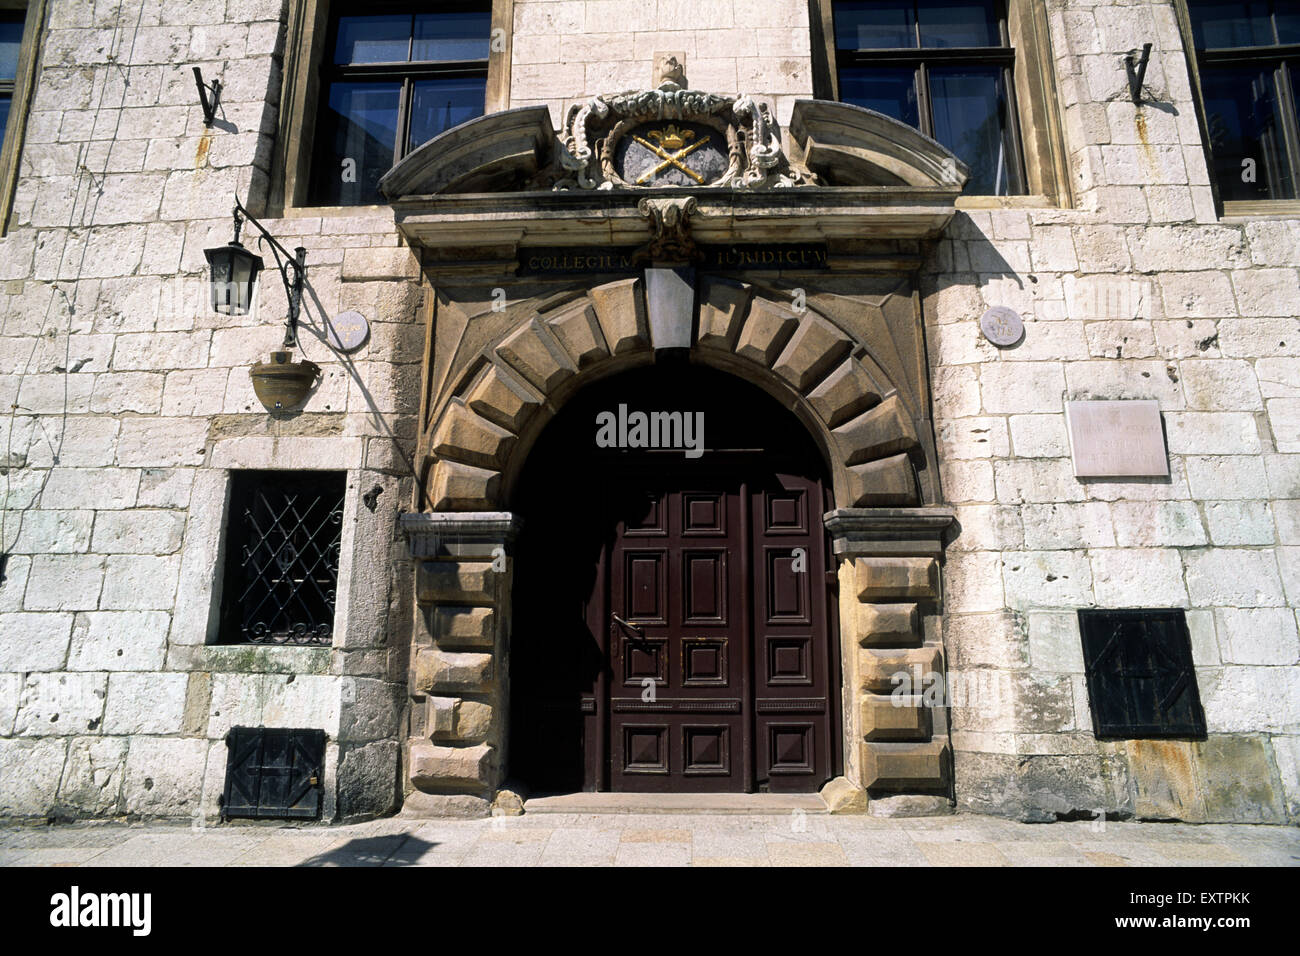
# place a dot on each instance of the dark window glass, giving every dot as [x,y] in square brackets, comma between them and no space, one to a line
[463,35]
[373,40]
[867,25]
[396,80]
[1245,125]
[1141,682]
[1246,57]
[282,557]
[5,102]
[1217,24]
[892,92]
[943,67]
[951,23]
[11,38]
[970,118]
[440,104]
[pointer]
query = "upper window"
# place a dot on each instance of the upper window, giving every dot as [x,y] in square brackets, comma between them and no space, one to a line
[942,66]
[1248,59]
[393,77]
[11,41]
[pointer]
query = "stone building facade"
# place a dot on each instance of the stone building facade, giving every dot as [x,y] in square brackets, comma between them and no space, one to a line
[959,540]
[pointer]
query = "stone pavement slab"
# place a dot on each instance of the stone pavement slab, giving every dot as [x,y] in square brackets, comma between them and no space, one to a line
[728,838]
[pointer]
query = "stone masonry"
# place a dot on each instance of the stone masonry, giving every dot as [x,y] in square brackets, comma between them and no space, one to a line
[126,401]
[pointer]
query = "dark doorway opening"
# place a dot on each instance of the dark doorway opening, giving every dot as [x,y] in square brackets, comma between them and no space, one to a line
[672,609]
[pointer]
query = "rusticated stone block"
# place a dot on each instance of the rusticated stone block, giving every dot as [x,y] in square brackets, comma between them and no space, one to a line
[620,309]
[453,718]
[450,670]
[888,625]
[466,436]
[905,766]
[536,355]
[814,349]
[576,327]
[465,769]
[885,579]
[455,582]
[881,432]
[456,626]
[879,669]
[500,398]
[847,391]
[766,331]
[722,309]
[890,717]
[455,486]
[886,483]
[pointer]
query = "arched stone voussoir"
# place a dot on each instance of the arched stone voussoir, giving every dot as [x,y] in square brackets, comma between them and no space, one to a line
[881,432]
[766,330]
[816,347]
[537,355]
[502,398]
[846,392]
[576,327]
[466,436]
[621,311]
[723,306]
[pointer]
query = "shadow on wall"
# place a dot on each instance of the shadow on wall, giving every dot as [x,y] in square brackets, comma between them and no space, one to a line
[400,849]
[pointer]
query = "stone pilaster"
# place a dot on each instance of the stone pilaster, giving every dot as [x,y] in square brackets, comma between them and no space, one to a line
[455,749]
[890,582]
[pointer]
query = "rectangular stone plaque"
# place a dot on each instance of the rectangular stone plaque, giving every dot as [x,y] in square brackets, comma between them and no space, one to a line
[1117,439]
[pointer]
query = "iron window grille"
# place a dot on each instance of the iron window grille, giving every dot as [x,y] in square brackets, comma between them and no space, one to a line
[1248,62]
[943,67]
[394,75]
[1141,682]
[282,557]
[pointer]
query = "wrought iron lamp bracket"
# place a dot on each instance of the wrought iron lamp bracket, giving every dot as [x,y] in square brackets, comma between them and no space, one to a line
[209,105]
[292,269]
[1135,64]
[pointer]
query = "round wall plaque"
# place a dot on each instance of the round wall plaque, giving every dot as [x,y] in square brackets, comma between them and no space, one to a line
[1002,326]
[348,331]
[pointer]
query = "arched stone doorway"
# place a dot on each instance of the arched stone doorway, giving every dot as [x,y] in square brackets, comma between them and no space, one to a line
[673,620]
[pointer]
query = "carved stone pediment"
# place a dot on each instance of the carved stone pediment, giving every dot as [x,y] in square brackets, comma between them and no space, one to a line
[671,136]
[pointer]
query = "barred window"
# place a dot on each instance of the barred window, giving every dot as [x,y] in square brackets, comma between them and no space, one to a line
[282,557]
[393,77]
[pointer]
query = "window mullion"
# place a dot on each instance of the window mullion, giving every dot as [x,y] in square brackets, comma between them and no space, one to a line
[403,119]
[1285,80]
[923,103]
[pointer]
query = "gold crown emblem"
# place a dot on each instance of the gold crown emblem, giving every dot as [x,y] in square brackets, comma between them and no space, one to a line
[671,136]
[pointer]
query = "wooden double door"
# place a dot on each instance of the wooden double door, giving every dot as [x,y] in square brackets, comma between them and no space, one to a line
[672,617]
[713,606]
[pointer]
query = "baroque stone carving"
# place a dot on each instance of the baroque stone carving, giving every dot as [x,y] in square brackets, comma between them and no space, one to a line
[671,228]
[597,135]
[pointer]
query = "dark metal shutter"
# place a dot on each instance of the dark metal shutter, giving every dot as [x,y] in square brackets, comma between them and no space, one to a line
[1141,682]
[274,773]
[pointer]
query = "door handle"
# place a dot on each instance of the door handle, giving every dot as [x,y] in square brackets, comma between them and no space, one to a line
[634,628]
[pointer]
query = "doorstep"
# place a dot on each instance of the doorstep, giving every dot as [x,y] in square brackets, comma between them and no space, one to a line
[751,803]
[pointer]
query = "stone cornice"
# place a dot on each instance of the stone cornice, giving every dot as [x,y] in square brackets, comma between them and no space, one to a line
[458,534]
[888,531]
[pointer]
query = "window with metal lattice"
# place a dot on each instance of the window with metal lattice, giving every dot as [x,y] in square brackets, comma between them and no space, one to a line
[1141,682]
[273,773]
[282,557]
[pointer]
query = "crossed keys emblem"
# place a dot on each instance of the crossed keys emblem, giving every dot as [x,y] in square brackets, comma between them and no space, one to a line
[670,138]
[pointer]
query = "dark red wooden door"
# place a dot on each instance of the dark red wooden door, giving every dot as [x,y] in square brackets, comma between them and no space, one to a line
[717,631]
[672,624]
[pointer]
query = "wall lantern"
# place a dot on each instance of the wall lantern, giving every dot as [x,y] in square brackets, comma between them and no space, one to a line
[278,383]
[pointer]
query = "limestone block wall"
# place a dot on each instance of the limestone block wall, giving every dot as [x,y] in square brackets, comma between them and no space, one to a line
[568,51]
[1141,291]
[127,402]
